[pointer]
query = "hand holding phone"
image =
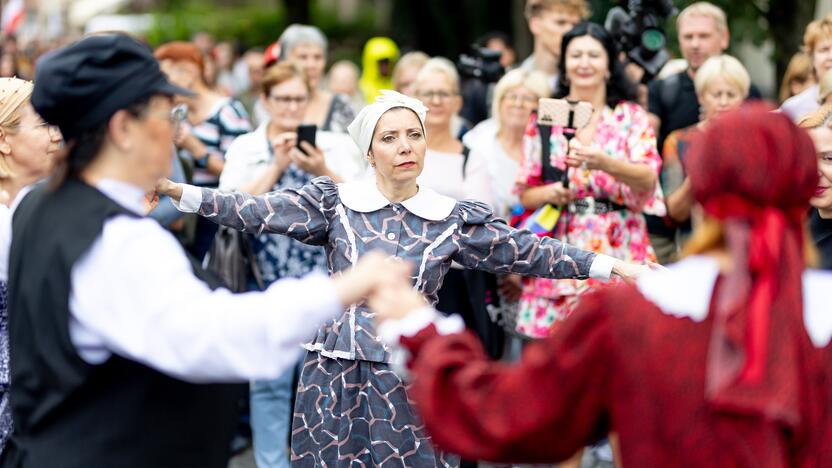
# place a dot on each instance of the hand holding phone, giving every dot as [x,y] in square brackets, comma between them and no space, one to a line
[306,133]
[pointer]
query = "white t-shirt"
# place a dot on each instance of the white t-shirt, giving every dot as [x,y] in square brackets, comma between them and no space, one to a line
[442,172]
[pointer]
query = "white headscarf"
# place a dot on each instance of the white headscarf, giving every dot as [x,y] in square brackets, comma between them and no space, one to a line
[361,129]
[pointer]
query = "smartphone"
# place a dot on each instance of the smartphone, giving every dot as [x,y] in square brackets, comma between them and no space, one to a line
[306,133]
[563,113]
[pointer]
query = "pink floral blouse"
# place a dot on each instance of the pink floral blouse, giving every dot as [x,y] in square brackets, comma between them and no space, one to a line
[623,133]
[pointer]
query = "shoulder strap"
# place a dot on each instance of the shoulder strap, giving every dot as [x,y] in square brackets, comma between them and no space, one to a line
[466,151]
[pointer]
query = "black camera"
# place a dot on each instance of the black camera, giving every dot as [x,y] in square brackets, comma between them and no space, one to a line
[639,31]
[483,64]
[478,73]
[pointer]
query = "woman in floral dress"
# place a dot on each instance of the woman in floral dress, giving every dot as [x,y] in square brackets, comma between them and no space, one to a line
[351,405]
[612,170]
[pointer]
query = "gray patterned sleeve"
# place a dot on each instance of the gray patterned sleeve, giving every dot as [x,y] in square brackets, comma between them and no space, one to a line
[302,214]
[488,243]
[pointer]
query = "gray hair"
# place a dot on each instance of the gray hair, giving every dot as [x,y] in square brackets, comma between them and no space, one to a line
[297,34]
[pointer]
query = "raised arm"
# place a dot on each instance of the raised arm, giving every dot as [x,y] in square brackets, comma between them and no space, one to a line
[302,214]
[158,313]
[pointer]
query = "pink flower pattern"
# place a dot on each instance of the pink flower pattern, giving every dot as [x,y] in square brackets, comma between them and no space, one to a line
[623,133]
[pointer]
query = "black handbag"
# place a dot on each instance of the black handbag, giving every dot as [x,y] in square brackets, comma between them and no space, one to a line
[232,258]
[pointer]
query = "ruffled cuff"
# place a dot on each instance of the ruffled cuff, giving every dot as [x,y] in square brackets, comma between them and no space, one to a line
[191,199]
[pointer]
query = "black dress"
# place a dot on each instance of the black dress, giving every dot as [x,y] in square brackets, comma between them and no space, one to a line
[822,235]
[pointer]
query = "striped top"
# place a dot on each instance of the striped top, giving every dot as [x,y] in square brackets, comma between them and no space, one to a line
[227,120]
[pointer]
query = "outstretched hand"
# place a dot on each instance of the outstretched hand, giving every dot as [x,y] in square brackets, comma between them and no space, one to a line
[171,189]
[632,271]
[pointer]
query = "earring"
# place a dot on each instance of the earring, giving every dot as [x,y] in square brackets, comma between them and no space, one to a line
[371,160]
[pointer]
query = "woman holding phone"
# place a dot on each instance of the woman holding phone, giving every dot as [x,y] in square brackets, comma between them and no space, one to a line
[611,166]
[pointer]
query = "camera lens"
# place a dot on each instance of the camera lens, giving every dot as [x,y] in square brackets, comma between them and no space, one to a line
[653,39]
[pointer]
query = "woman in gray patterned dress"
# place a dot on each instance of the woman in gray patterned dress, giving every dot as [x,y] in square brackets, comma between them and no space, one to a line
[351,406]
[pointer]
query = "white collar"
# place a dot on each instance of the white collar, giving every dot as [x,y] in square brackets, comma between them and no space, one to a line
[364,196]
[685,289]
[127,195]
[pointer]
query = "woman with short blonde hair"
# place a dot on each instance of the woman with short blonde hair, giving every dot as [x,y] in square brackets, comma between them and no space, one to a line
[722,84]
[406,69]
[819,126]
[500,140]
[817,43]
[27,149]
[722,67]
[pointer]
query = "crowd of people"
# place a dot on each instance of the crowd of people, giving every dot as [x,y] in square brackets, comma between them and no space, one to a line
[178,221]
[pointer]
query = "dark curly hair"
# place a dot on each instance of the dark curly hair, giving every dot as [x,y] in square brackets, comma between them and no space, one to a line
[619,86]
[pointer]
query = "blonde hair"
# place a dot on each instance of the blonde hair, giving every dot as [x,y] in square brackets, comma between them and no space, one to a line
[282,72]
[818,118]
[825,87]
[705,9]
[709,235]
[415,59]
[534,80]
[579,8]
[722,66]
[439,65]
[816,31]
[799,69]
[16,94]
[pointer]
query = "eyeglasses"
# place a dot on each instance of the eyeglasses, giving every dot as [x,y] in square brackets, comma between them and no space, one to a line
[287,100]
[440,95]
[523,99]
[51,129]
[177,116]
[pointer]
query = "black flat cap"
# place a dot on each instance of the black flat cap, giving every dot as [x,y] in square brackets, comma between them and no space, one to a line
[80,86]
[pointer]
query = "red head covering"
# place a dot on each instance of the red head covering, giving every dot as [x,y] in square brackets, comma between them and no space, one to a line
[755,171]
[272,54]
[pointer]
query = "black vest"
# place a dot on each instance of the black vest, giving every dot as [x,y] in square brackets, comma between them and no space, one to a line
[68,413]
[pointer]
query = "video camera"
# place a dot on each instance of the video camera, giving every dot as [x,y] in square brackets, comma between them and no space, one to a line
[478,72]
[639,31]
[483,64]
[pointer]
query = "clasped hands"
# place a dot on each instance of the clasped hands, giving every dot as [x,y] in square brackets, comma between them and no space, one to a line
[384,282]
